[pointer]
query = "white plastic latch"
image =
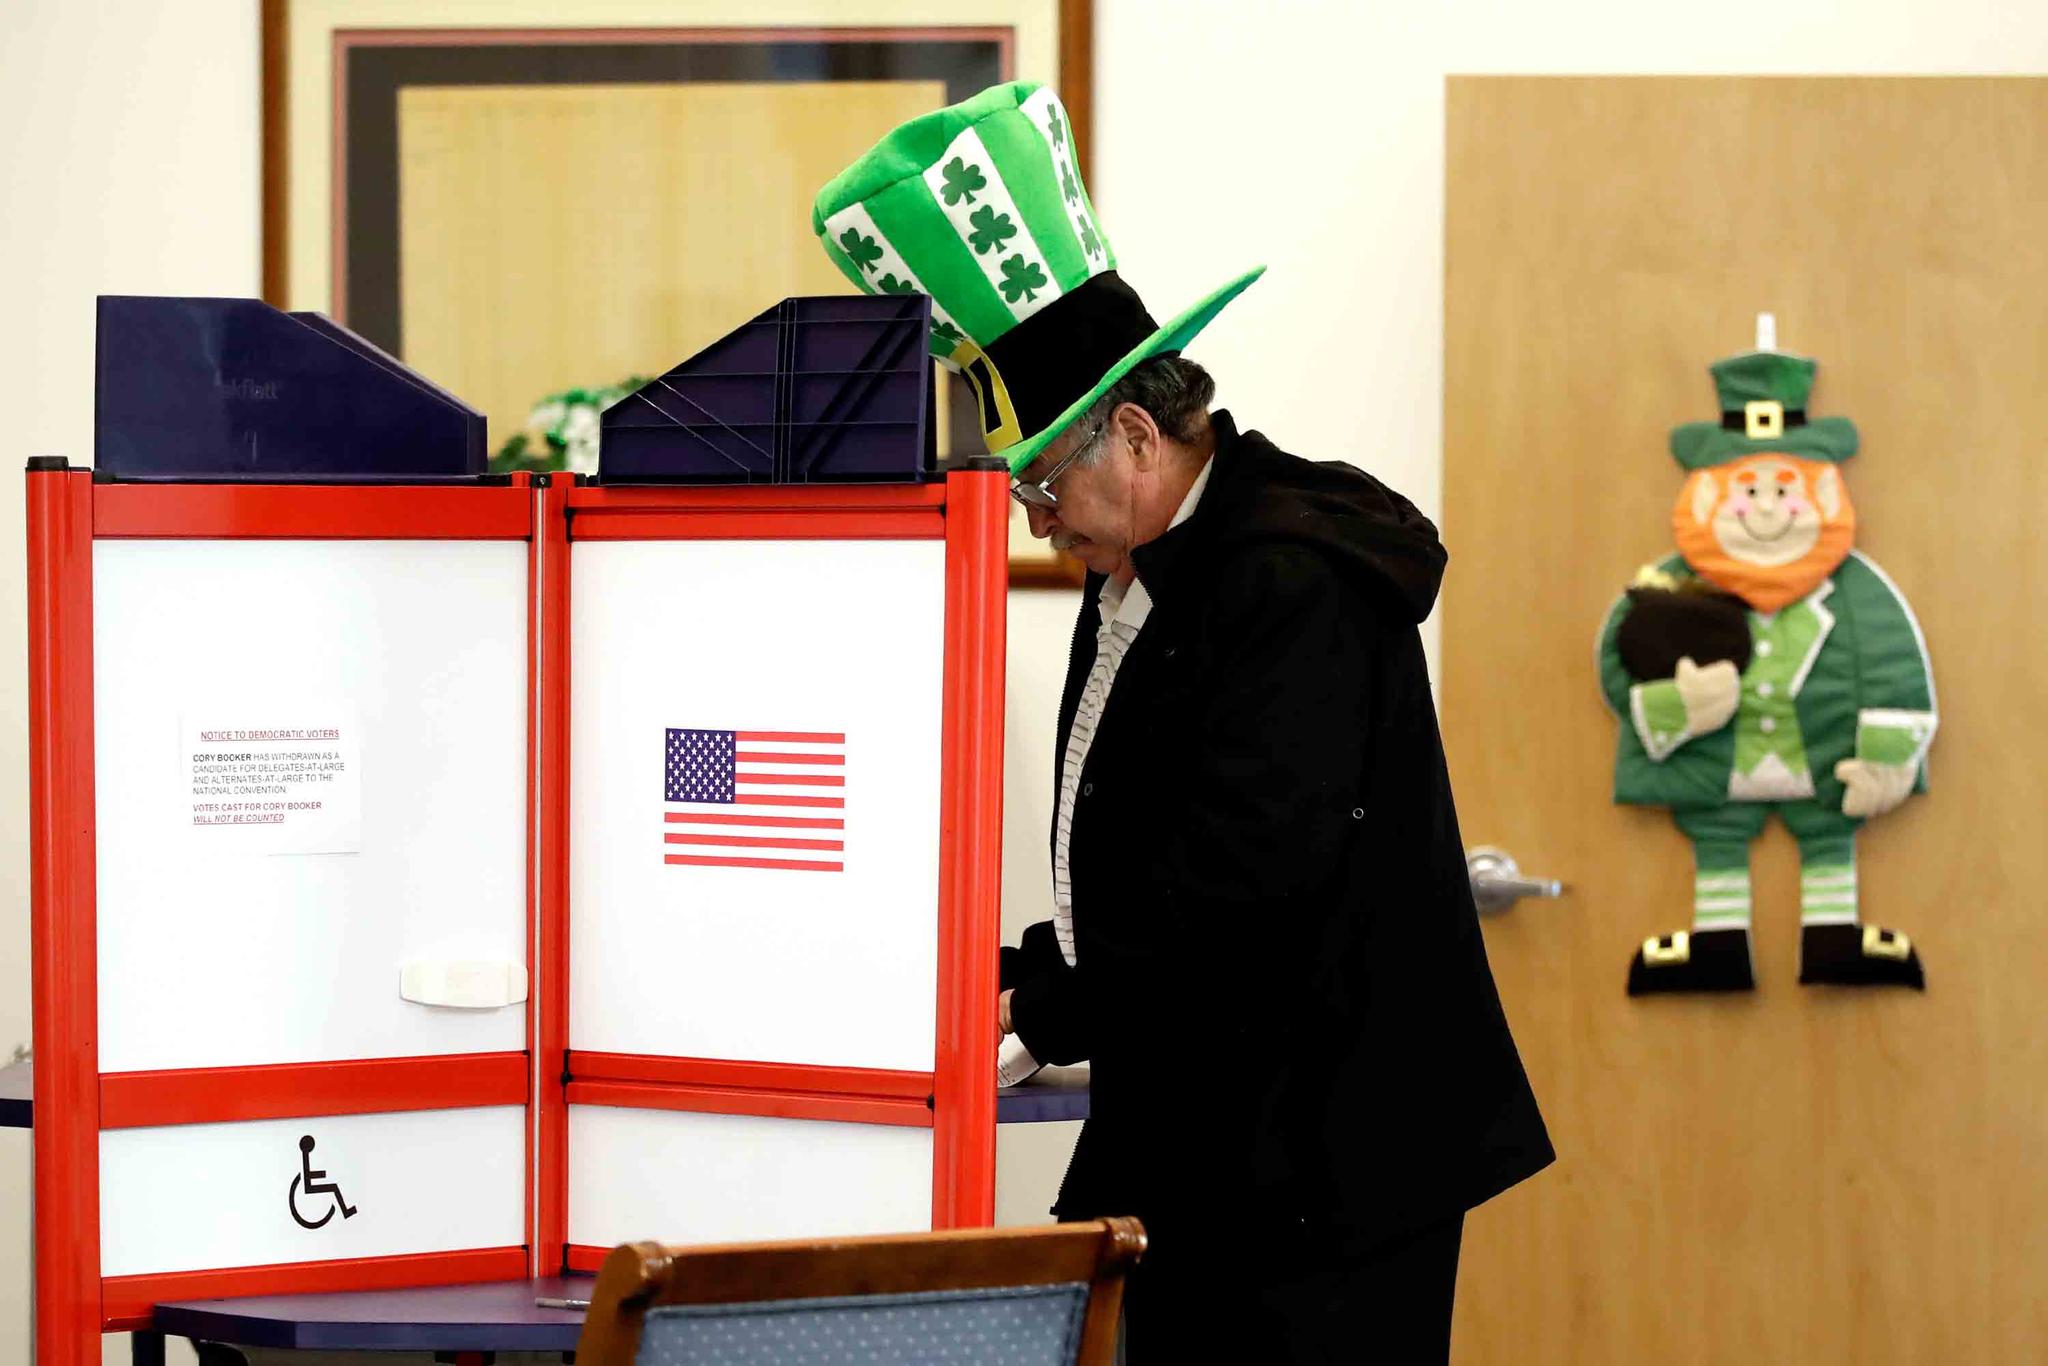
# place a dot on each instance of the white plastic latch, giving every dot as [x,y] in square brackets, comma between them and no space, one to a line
[465,986]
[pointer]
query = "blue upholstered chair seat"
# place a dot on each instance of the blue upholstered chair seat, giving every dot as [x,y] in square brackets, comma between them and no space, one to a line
[1033,1325]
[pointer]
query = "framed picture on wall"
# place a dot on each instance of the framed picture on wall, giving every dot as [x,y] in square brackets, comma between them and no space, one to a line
[522,197]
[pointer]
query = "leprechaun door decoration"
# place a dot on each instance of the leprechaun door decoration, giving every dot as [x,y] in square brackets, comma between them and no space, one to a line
[1768,667]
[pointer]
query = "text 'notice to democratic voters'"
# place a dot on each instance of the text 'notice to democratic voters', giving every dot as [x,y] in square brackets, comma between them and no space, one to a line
[293,787]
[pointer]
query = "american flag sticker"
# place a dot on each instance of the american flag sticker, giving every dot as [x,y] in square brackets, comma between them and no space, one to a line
[772,799]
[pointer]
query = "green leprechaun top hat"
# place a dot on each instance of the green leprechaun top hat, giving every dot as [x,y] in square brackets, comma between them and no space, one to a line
[1763,408]
[980,206]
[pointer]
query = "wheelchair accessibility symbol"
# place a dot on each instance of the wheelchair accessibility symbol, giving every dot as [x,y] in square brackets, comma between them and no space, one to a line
[310,1182]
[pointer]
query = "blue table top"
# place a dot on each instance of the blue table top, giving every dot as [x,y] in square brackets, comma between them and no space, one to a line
[1055,1093]
[495,1316]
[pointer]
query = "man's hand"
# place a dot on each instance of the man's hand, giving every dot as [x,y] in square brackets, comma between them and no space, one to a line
[1873,789]
[1003,1011]
[1709,694]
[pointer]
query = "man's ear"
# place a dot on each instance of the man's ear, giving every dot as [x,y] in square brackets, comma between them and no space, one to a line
[1140,432]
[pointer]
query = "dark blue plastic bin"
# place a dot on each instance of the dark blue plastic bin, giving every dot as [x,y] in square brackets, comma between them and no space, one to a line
[232,389]
[817,390]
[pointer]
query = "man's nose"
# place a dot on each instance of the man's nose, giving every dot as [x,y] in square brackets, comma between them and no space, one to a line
[1041,520]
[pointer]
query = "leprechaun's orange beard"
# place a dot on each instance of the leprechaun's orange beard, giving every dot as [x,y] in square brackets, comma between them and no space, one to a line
[1767,528]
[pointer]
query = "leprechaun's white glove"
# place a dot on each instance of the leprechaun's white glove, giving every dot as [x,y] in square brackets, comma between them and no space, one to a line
[1710,694]
[1697,701]
[1872,789]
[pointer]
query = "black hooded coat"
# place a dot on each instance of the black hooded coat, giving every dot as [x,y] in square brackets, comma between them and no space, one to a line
[1280,981]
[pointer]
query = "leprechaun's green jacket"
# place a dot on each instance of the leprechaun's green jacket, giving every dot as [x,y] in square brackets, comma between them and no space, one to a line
[1860,688]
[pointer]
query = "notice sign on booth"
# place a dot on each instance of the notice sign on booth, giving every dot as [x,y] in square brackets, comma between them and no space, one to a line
[273,785]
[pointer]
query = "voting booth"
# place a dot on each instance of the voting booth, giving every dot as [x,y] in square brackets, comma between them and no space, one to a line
[442,877]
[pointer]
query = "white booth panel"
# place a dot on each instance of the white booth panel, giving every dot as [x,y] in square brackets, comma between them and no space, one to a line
[679,1176]
[193,1197]
[834,961]
[225,944]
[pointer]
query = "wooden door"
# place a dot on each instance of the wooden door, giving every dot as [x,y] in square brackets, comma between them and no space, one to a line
[1798,1175]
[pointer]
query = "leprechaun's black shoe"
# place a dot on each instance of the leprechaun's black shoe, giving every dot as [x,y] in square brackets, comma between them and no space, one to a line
[1693,960]
[1858,956]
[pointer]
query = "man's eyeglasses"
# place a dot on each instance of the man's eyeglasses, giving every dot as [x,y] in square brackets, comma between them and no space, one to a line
[1039,494]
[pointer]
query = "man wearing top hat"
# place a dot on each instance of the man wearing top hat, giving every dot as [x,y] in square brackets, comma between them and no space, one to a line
[1264,940]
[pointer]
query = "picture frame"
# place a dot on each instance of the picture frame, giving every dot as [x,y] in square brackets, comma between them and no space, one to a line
[403,140]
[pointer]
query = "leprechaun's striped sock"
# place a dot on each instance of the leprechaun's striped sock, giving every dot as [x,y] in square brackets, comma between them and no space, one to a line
[1827,892]
[1720,887]
[1827,879]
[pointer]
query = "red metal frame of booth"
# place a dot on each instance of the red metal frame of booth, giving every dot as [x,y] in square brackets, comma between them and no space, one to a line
[67,512]
[956,1100]
[550,993]
[74,1102]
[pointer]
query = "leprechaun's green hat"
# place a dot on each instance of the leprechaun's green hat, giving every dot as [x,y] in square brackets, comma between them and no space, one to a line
[980,206]
[1763,408]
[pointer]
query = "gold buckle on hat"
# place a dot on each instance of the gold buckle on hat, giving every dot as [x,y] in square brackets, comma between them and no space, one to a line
[999,425]
[1658,956]
[1883,943]
[1763,417]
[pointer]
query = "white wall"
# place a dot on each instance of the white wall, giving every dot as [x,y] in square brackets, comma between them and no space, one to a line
[1306,135]
[1031,1157]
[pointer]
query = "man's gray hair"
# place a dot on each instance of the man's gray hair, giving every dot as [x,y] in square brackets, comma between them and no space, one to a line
[1175,391]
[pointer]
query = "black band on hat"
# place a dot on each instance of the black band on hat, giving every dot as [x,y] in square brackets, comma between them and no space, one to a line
[1062,351]
[1739,422]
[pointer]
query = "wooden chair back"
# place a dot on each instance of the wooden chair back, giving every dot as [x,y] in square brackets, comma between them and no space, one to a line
[637,1277]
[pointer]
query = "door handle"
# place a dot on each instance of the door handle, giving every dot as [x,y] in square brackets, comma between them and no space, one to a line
[1497,881]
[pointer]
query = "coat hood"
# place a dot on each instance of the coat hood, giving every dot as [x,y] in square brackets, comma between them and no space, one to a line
[1257,492]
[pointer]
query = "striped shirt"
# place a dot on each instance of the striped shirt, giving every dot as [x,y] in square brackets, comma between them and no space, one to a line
[1124,608]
